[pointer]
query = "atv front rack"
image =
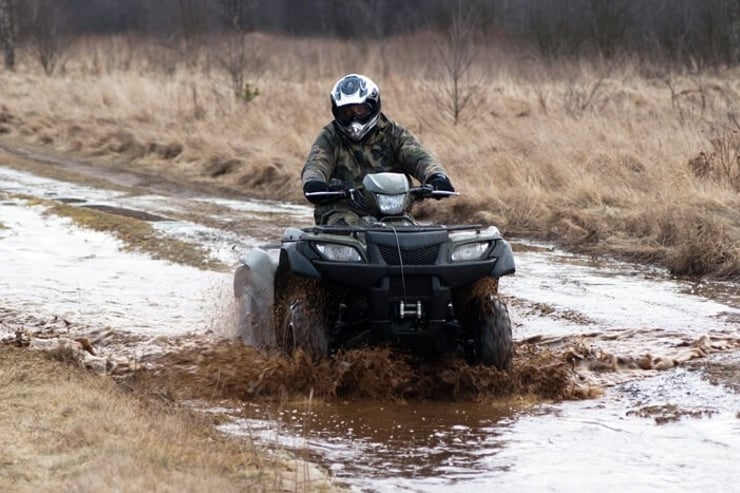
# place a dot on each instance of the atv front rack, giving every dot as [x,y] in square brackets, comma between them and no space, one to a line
[347,230]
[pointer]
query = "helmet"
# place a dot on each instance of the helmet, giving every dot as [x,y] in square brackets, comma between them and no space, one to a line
[355,104]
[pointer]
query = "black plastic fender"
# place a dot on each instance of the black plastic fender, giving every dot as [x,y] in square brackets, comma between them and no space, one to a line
[299,264]
[505,263]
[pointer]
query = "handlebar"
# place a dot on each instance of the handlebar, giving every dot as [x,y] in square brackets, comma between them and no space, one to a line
[427,191]
[338,194]
[422,192]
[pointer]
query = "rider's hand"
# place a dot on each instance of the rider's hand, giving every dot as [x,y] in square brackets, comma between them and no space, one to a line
[440,182]
[315,186]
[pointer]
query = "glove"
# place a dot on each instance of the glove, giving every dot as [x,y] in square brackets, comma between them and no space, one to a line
[440,182]
[315,186]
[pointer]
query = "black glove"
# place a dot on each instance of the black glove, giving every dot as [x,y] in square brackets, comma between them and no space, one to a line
[440,182]
[315,186]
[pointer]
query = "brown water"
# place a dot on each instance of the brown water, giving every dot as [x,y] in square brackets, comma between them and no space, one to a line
[623,376]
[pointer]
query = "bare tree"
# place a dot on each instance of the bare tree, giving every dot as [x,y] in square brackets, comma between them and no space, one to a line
[234,54]
[7,32]
[457,53]
[192,15]
[44,29]
[609,24]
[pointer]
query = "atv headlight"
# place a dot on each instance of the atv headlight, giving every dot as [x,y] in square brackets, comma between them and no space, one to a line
[336,252]
[470,251]
[391,204]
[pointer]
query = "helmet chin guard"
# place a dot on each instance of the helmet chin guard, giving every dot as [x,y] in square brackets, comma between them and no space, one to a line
[355,89]
[356,130]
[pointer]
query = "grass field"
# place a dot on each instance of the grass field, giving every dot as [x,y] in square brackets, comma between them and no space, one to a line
[66,430]
[605,158]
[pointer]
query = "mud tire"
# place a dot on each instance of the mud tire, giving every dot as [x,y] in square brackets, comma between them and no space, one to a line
[304,327]
[488,321]
[300,314]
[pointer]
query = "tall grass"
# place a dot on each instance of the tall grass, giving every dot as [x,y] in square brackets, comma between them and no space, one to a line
[599,157]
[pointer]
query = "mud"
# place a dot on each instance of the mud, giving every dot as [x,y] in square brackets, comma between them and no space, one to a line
[668,413]
[229,370]
[723,372]
[204,367]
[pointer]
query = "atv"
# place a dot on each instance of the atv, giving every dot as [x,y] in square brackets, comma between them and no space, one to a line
[430,289]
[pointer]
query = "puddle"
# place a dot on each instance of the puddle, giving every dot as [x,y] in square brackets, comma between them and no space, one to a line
[52,267]
[637,307]
[387,447]
[602,444]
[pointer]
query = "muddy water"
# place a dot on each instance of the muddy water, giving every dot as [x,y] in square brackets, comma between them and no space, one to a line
[651,346]
[614,443]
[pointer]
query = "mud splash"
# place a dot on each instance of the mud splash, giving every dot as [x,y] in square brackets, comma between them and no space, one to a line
[558,369]
[230,370]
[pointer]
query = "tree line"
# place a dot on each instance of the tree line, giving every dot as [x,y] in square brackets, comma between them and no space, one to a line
[704,33]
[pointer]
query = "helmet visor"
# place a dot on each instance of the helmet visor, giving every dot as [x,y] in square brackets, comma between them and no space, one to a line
[360,113]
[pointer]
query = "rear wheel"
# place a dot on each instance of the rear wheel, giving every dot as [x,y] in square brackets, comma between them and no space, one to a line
[487,321]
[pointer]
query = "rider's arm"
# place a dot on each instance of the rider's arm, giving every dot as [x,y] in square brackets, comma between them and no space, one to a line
[320,163]
[414,159]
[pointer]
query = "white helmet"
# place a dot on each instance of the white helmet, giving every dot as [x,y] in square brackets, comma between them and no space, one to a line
[355,104]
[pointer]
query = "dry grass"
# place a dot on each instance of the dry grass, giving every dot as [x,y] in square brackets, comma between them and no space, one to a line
[76,432]
[599,158]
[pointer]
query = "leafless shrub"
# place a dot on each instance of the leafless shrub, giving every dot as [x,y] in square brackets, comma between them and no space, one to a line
[586,94]
[236,54]
[722,163]
[237,58]
[696,101]
[701,164]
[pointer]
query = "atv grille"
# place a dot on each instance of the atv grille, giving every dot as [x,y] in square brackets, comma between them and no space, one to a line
[416,286]
[418,256]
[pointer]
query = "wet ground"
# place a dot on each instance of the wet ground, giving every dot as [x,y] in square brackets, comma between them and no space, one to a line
[624,378]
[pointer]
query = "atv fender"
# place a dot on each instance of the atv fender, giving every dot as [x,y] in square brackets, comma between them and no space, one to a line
[253,289]
[299,264]
[505,263]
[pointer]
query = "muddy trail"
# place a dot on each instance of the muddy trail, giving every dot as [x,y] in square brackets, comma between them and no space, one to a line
[622,375]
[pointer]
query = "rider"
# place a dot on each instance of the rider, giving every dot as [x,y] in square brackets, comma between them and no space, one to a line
[358,141]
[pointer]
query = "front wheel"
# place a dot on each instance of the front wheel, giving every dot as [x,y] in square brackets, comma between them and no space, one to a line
[299,313]
[488,321]
[304,327]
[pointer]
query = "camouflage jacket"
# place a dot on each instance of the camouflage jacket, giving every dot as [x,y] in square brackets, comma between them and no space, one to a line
[389,147]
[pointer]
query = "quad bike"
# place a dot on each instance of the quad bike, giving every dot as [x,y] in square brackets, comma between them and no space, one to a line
[431,289]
